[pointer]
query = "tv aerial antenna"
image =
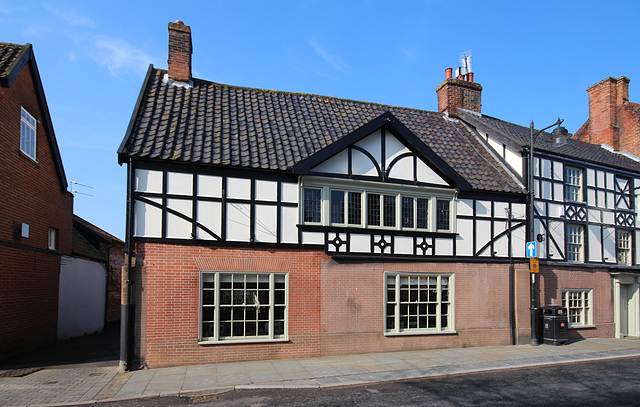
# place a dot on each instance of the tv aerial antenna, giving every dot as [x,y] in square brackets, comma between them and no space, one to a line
[75,191]
[465,64]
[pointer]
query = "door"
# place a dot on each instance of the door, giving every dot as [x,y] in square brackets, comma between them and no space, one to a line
[625,307]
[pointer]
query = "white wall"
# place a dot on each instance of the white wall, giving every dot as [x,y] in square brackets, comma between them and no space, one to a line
[81,304]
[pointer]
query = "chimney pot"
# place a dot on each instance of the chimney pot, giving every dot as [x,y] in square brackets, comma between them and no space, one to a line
[470,76]
[448,73]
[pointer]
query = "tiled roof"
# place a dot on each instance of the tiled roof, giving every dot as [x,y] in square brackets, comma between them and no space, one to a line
[215,124]
[8,57]
[573,149]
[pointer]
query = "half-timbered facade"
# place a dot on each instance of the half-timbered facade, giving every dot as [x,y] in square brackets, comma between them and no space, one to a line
[586,205]
[270,224]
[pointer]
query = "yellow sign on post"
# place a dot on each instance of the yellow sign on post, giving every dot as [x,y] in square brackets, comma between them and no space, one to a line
[534,263]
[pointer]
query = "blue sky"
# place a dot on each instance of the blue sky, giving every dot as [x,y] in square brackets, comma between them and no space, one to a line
[533,59]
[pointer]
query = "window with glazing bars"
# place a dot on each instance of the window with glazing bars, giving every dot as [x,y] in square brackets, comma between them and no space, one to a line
[243,306]
[624,247]
[575,243]
[577,303]
[573,184]
[418,302]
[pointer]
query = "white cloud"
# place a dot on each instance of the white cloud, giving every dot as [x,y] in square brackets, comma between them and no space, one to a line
[118,56]
[72,18]
[333,60]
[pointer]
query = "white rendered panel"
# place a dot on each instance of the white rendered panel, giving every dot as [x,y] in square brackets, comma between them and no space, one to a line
[393,148]
[610,182]
[403,245]
[483,236]
[536,166]
[360,243]
[238,217]
[591,177]
[497,146]
[289,192]
[600,177]
[595,216]
[595,248]
[239,188]
[288,228]
[266,224]
[483,208]
[591,197]
[361,164]
[556,230]
[611,201]
[609,243]
[558,192]
[536,188]
[266,190]
[518,240]
[444,246]
[179,183]
[428,175]
[464,241]
[147,219]
[514,159]
[178,227]
[148,181]
[312,238]
[546,168]
[545,190]
[209,216]
[608,218]
[210,186]
[538,229]
[556,210]
[519,211]
[541,207]
[602,203]
[372,144]
[501,245]
[402,169]
[558,172]
[501,209]
[338,164]
[465,207]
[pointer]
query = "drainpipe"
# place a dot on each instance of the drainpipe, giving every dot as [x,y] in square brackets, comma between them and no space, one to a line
[126,288]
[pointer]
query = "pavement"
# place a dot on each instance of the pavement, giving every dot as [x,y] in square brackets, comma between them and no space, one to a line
[91,382]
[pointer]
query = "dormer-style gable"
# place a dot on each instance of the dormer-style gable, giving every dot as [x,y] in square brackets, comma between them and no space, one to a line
[383,150]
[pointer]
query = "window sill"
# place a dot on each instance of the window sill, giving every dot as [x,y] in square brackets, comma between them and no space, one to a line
[413,333]
[242,341]
[582,327]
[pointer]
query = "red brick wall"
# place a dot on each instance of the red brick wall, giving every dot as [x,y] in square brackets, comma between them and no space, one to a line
[553,280]
[30,193]
[333,308]
[116,261]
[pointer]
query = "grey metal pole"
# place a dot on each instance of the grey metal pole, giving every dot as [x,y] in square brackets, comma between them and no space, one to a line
[534,306]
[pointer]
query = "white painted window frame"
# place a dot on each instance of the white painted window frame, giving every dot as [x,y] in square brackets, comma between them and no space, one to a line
[575,243]
[396,304]
[28,134]
[365,188]
[573,184]
[579,305]
[217,338]
[623,247]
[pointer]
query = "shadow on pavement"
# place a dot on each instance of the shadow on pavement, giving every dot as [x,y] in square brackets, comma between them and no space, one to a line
[101,349]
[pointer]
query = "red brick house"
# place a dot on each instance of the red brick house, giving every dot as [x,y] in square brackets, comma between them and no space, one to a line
[36,221]
[265,224]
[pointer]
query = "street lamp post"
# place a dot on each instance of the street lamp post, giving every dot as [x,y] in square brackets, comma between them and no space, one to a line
[558,132]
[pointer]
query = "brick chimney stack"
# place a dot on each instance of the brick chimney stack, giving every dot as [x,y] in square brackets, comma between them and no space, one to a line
[459,92]
[612,119]
[180,51]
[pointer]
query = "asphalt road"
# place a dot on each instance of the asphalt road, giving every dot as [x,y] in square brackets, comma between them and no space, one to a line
[603,383]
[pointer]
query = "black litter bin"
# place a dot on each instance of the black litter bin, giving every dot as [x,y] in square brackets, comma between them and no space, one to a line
[555,325]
